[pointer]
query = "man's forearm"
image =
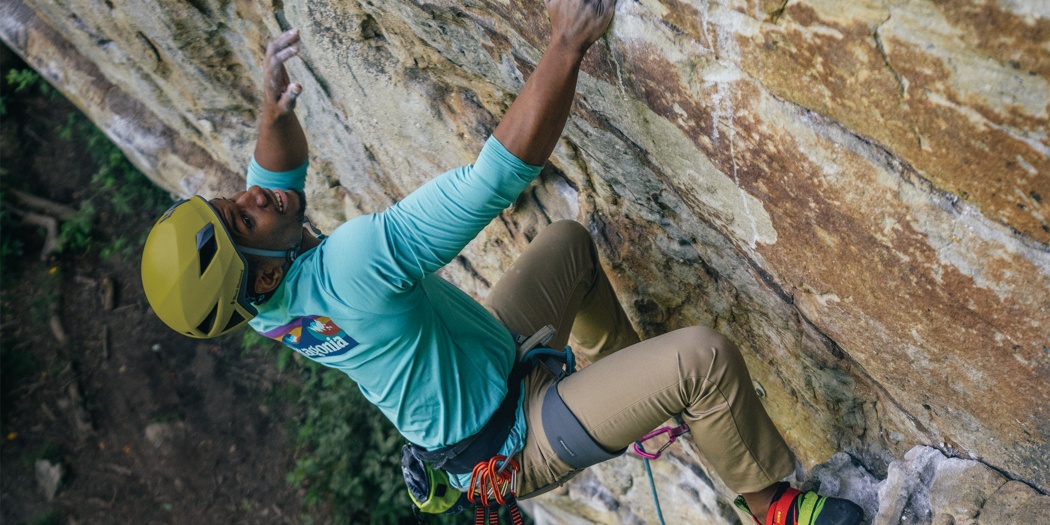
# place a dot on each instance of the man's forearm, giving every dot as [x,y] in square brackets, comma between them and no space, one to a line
[282,143]
[533,124]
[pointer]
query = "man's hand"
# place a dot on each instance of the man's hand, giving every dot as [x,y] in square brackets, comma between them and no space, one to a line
[278,92]
[577,24]
[282,144]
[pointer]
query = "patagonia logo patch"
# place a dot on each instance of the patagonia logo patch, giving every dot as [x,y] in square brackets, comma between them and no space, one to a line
[313,336]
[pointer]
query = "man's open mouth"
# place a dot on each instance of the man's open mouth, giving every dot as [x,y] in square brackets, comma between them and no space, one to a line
[279,200]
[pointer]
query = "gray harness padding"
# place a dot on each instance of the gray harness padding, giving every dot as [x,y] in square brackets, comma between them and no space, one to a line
[567,436]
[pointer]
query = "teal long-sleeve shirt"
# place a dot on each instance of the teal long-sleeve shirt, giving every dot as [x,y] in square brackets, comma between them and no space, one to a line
[366,301]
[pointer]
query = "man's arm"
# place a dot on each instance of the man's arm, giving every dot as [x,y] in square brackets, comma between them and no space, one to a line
[282,144]
[428,228]
[532,126]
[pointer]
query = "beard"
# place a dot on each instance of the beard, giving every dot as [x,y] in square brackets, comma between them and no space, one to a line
[301,215]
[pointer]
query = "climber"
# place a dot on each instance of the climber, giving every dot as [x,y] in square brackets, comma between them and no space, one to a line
[366,300]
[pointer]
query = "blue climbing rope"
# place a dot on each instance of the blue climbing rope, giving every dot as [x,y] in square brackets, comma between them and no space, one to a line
[639,448]
[652,486]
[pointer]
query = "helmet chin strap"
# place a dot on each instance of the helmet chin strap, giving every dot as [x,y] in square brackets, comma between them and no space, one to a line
[289,254]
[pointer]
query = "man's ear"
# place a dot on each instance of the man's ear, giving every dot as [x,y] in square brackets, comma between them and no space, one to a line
[268,277]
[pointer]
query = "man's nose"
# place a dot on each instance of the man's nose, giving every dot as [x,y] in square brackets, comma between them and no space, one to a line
[253,197]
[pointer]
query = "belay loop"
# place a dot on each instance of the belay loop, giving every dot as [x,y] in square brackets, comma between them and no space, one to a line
[493,483]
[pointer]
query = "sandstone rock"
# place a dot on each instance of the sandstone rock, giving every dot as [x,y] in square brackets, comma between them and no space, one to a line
[618,492]
[927,487]
[924,488]
[1015,502]
[904,494]
[843,477]
[961,488]
[857,193]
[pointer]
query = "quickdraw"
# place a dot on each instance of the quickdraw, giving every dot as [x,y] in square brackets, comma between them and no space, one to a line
[672,436]
[493,484]
[639,448]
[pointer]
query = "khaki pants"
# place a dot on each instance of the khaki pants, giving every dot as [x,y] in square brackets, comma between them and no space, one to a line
[695,372]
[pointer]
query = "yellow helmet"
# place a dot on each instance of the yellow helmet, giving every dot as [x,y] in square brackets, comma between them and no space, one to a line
[194,275]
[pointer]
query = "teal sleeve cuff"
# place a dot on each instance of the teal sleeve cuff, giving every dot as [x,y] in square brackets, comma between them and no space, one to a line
[504,173]
[508,159]
[285,180]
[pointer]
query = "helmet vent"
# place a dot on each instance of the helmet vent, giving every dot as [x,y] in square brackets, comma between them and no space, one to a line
[206,246]
[235,320]
[209,321]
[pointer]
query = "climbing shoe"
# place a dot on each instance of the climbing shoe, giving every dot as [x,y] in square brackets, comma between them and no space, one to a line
[793,507]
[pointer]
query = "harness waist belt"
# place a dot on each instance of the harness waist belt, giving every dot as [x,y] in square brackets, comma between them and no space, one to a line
[461,457]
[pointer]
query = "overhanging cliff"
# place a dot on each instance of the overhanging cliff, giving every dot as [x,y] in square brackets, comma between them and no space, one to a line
[857,193]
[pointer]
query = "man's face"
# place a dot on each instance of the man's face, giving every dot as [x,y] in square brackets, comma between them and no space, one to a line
[264,218]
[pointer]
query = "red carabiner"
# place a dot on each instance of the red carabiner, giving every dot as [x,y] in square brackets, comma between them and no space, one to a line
[489,480]
[672,436]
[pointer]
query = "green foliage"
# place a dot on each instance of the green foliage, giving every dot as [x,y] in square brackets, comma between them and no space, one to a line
[70,129]
[117,181]
[116,185]
[285,356]
[16,366]
[51,518]
[11,247]
[24,79]
[348,453]
[48,451]
[75,234]
[43,303]
[121,247]
[169,417]
[21,81]
[252,340]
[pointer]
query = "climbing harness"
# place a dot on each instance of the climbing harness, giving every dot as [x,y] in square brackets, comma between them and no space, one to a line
[639,448]
[460,458]
[493,477]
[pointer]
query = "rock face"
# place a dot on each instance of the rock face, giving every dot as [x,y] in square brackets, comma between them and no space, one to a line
[858,193]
